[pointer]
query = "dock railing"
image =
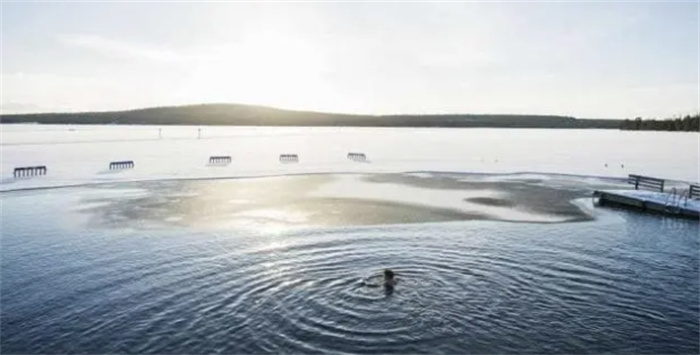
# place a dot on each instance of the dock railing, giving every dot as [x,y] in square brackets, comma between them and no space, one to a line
[646,182]
[675,199]
[694,192]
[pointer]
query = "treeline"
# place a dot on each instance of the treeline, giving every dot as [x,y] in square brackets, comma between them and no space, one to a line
[687,123]
[247,115]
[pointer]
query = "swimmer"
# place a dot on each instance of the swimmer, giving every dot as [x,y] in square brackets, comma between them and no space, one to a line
[389,281]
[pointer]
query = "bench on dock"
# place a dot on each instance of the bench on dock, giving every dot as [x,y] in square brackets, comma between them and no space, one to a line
[357,156]
[646,182]
[694,192]
[289,158]
[29,171]
[126,164]
[219,160]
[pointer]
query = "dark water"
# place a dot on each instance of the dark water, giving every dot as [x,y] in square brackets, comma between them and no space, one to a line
[625,283]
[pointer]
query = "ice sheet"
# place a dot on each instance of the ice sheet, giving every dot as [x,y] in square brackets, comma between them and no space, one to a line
[352,186]
[81,154]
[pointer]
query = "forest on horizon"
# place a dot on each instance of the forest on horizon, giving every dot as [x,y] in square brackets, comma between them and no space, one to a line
[250,115]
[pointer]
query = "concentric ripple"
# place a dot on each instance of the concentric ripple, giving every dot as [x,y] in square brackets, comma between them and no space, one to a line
[462,288]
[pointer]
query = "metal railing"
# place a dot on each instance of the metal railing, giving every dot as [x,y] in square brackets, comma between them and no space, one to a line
[674,199]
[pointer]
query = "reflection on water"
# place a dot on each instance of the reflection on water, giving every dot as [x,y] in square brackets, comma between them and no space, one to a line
[623,283]
[292,202]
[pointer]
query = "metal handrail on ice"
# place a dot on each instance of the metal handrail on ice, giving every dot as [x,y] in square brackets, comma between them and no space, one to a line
[126,164]
[29,171]
[289,158]
[219,160]
[357,156]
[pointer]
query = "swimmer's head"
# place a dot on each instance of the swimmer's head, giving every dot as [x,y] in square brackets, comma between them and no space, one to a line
[388,274]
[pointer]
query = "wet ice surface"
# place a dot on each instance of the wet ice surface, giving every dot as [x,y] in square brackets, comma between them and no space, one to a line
[322,200]
[488,201]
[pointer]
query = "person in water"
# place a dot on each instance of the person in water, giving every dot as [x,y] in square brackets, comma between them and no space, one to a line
[389,281]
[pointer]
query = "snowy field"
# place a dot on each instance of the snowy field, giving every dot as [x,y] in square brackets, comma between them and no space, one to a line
[76,155]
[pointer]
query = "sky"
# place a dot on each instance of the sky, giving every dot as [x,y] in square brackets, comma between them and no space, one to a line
[582,59]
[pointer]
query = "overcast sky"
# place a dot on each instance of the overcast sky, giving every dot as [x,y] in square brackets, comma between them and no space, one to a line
[590,60]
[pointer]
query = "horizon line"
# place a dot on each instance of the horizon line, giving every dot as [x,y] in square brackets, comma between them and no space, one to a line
[60,112]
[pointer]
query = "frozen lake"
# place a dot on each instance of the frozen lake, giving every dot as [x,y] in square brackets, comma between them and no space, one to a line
[81,154]
[492,233]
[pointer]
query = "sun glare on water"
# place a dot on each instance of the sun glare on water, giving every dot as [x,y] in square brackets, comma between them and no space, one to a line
[268,220]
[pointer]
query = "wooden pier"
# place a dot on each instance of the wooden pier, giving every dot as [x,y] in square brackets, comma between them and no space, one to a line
[678,203]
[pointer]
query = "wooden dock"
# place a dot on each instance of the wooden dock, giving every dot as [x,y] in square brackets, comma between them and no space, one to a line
[678,203]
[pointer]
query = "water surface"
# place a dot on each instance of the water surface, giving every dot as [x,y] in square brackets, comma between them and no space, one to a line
[621,283]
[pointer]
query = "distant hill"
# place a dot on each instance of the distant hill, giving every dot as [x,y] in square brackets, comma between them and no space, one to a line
[249,115]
